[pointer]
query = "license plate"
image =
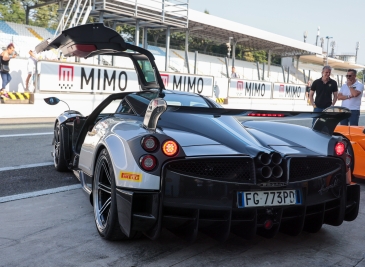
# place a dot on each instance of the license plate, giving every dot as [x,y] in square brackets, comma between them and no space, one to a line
[269,198]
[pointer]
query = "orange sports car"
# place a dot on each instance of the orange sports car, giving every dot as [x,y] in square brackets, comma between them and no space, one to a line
[356,135]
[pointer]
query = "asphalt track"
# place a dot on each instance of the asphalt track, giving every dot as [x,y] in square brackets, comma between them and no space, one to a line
[46,220]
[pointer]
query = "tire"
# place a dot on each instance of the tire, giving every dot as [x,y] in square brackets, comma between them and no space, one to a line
[350,151]
[104,199]
[59,150]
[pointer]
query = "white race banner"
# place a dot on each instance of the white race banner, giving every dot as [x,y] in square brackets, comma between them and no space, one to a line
[66,77]
[202,85]
[249,89]
[288,91]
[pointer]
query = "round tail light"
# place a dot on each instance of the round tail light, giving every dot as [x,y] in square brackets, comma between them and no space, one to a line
[149,143]
[170,148]
[340,148]
[148,162]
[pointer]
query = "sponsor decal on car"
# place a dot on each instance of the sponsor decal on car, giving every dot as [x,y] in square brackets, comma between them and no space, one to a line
[130,176]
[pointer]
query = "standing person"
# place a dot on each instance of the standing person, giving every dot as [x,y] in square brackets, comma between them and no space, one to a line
[5,58]
[234,74]
[307,90]
[324,88]
[350,94]
[32,61]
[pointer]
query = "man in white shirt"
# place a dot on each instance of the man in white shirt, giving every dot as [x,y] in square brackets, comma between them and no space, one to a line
[351,94]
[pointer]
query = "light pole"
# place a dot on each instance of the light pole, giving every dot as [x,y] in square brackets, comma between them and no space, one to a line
[333,44]
[317,35]
[357,49]
[229,48]
[305,35]
[228,51]
[328,38]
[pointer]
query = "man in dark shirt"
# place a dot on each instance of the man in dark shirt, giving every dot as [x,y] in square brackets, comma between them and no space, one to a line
[324,87]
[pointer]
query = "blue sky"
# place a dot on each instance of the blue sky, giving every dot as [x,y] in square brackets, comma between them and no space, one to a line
[344,21]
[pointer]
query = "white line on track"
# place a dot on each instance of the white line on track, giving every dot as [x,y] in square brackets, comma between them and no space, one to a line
[39,193]
[12,168]
[28,134]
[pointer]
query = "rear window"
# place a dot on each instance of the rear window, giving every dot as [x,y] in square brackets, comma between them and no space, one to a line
[179,99]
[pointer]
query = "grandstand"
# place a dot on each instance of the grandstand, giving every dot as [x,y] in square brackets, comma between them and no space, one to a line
[26,37]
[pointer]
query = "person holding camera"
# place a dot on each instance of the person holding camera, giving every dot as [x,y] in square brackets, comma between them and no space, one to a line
[5,57]
[350,94]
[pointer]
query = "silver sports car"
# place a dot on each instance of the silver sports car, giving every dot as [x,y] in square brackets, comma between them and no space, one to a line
[173,159]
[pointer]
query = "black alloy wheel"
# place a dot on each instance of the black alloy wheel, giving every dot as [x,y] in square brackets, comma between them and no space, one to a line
[59,150]
[104,200]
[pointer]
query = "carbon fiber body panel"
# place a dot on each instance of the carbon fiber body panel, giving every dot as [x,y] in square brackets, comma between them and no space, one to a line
[194,199]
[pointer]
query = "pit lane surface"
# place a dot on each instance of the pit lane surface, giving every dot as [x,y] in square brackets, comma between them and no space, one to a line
[56,228]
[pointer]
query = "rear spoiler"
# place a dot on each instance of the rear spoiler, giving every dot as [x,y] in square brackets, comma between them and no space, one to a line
[325,122]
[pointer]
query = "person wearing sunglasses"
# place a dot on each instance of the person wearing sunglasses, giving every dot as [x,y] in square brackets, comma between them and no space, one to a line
[324,88]
[350,94]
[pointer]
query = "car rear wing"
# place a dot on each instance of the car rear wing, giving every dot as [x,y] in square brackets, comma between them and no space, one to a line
[325,122]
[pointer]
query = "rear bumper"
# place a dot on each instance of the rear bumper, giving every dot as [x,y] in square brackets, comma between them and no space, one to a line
[186,205]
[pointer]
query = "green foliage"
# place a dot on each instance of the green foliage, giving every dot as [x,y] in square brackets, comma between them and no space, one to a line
[360,75]
[248,56]
[15,11]
[260,56]
[46,17]
[12,10]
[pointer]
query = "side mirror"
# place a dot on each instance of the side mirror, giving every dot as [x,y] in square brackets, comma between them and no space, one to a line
[51,100]
[54,101]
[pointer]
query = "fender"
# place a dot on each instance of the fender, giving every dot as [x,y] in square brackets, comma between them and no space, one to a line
[123,161]
[68,114]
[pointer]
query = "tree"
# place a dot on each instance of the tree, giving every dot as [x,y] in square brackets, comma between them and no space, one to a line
[15,11]
[45,16]
[360,75]
[156,34]
[248,56]
[260,56]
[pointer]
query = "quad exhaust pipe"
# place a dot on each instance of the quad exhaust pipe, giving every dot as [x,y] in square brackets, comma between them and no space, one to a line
[265,172]
[277,172]
[269,166]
